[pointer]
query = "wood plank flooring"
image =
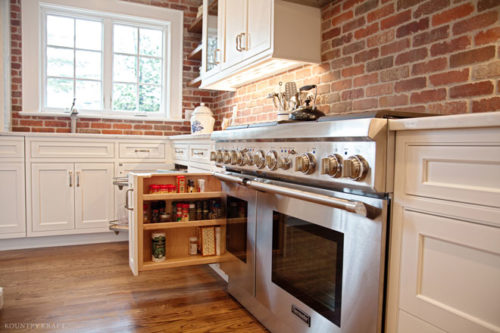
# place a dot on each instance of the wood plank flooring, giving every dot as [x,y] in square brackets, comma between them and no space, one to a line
[89,288]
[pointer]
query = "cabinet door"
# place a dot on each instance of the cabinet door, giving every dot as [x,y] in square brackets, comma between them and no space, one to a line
[235,14]
[94,195]
[52,196]
[12,220]
[258,37]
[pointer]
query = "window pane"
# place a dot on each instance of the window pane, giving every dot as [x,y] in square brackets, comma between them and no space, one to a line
[60,31]
[88,95]
[88,65]
[150,70]
[59,62]
[149,98]
[151,42]
[88,35]
[124,39]
[124,96]
[124,68]
[59,93]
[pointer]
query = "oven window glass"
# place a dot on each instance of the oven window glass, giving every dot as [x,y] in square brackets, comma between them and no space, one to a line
[236,227]
[307,263]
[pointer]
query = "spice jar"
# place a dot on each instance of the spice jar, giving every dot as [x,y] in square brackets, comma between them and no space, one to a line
[185,212]
[181,184]
[163,188]
[199,212]
[178,212]
[190,186]
[165,217]
[193,246]
[192,211]
[158,246]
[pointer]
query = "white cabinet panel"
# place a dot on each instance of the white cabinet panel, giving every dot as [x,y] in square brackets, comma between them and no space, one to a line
[65,149]
[12,147]
[450,273]
[131,150]
[52,196]
[410,324]
[199,153]
[235,16]
[94,195]
[259,26]
[181,152]
[12,216]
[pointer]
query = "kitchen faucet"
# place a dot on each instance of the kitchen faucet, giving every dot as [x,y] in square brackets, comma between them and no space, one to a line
[73,112]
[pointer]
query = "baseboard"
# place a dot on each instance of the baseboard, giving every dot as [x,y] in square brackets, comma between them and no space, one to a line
[50,241]
[219,271]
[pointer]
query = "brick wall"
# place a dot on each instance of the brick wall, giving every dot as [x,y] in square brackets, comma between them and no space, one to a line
[439,56]
[191,97]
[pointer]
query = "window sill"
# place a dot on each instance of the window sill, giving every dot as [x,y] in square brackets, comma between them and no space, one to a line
[100,116]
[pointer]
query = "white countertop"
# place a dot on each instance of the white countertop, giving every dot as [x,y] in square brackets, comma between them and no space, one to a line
[105,136]
[468,120]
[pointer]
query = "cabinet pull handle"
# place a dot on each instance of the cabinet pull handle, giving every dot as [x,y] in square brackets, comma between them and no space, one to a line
[238,43]
[142,150]
[198,153]
[177,151]
[126,199]
[78,179]
[216,59]
[70,179]
[243,48]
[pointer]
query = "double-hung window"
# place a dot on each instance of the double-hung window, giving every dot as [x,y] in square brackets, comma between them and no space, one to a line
[110,64]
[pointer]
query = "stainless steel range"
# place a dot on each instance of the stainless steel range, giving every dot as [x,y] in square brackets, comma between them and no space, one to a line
[307,221]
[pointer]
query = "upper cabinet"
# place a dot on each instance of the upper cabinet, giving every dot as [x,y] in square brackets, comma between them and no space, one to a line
[255,39]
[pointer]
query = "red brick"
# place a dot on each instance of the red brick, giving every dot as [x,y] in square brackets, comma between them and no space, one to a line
[349,3]
[430,7]
[354,24]
[395,74]
[330,12]
[365,7]
[52,123]
[354,47]
[381,38]
[431,36]
[411,56]
[476,22]
[412,27]
[427,96]
[395,100]
[395,20]
[334,32]
[380,89]
[43,129]
[487,36]
[456,44]
[472,89]
[448,108]
[486,4]
[28,122]
[379,64]
[452,14]
[433,65]
[365,79]
[487,71]
[472,56]
[122,126]
[333,54]
[365,104]
[344,39]
[403,4]
[367,31]
[352,94]
[410,84]
[100,125]
[143,127]
[486,105]
[449,77]
[394,47]
[381,12]
[366,55]
[340,63]
[354,70]
[337,20]
[341,85]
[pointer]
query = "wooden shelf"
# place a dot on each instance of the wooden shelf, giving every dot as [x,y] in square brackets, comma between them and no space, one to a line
[196,53]
[190,224]
[197,25]
[195,83]
[185,261]
[183,196]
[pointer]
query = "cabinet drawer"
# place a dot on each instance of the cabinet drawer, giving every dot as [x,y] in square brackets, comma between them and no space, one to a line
[457,173]
[11,147]
[199,153]
[181,152]
[142,150]
[71,149]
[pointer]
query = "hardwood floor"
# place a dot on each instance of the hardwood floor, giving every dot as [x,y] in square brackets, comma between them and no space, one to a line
[89,288]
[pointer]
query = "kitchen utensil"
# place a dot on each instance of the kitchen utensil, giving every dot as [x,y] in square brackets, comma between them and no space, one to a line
[307,112]
[290,91]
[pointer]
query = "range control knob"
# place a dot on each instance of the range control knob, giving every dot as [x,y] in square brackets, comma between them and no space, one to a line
[235,157]
[332,166]
[213,156]
[218,156]
[272,160]
[284,163]
[355,167]
[305,163]
[259,159]
[247,159]
[226,157]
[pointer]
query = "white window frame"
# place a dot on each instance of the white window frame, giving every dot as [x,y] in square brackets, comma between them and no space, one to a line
[120,12]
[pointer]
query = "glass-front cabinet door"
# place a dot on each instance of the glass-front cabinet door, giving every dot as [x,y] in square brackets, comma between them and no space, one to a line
[212,43]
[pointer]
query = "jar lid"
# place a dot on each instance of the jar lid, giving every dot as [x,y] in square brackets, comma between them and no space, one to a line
[202,109]
[193,239]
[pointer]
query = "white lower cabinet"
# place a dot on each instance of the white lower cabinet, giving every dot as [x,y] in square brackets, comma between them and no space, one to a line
[67,196]
[12,203]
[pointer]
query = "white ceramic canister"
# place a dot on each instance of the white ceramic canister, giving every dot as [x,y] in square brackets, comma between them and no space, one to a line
[202,120]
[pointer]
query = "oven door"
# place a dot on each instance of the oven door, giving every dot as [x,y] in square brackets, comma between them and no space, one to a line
[320,268]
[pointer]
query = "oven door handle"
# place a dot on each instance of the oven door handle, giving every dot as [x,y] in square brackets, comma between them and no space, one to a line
[356,207]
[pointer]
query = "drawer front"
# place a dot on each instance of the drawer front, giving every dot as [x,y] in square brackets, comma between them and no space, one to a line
[142,150]
[181,152]
[199,153]
[67,148]
[11,147]
[457,173]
